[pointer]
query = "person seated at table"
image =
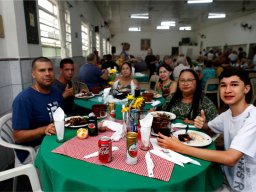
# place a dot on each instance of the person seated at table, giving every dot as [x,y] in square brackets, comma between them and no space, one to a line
[109,63]
[237,124]
[91,75]
[166,85]
[188,99]
[64,83]
[168,60]
[207,73]
[32,109]
[125,81]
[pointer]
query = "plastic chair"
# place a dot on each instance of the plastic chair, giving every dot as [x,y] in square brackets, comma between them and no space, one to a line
[213,81]
[28,170]
[6,140]
[253,84]
[153,82]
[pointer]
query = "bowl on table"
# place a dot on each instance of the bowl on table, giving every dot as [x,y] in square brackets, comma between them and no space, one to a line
[148,96]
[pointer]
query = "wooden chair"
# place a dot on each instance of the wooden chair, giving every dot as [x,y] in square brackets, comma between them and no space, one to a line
[213,81]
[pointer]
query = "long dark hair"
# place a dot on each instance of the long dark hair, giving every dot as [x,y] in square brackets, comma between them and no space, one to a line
[168,68]
[197,96]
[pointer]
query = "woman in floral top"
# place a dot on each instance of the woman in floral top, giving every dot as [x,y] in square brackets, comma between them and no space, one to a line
[166,85]
[187,102]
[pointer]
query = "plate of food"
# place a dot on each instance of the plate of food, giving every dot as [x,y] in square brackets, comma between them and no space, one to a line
[157,95]
[100,93]
[163,114]
[193,138]
[76,121]
[84,95]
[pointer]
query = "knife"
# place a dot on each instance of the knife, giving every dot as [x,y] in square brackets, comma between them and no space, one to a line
[150,164]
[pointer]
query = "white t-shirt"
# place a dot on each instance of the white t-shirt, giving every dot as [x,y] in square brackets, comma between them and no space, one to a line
[239,134]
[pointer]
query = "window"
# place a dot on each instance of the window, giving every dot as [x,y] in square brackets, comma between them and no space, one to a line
[49,27]
[68,35]
[104,46]
[98,43]
[86,44]
[108,47]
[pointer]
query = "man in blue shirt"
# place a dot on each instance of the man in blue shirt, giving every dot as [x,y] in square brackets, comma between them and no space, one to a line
[33,108]
[90,73]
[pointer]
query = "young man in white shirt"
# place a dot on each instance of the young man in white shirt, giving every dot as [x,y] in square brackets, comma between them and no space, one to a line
[238,126]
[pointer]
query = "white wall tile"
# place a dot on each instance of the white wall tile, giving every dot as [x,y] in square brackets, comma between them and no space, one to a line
[15,72]
[5,77]
[26,71]
[6,98]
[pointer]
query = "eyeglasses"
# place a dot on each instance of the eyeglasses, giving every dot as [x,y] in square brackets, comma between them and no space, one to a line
[188,81]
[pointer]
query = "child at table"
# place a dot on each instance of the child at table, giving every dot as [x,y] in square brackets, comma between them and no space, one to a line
[239,128]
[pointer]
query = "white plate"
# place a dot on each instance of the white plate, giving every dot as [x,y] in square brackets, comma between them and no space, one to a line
[75,126]
[81,96]
[157,95]
[181,125]
[171,115]
[200,139]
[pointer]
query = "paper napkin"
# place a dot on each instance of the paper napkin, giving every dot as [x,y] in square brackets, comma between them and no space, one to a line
[145,129]
[150,164]
[114,126]
[105,94]
[155,103]
[174,155]
[58,118]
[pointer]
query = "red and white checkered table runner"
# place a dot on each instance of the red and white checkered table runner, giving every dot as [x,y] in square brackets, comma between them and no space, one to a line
[77,148]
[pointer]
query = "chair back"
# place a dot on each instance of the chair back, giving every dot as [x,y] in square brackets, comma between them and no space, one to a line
[6,128]
[253,87]
[153,82]
[28,170]
[213,81]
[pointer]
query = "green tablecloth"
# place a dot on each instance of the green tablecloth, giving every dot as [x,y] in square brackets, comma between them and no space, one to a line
[88,103]
[141,78]
[62,173]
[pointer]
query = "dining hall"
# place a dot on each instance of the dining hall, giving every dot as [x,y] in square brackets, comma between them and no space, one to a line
[144,95]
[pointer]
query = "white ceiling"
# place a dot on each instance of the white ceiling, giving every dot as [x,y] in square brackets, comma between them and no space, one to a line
[116,13]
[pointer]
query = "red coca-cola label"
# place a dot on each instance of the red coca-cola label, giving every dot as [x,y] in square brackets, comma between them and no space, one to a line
[105,150]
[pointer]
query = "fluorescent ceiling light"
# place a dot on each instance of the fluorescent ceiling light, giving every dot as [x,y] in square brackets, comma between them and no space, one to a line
[140,16]
[134,29]
[187,28]
[168,23]
[162,27]
[216,15]
[199,1]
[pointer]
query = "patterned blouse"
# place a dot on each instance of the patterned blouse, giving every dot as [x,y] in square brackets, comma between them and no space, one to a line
[181,110]
[164,89]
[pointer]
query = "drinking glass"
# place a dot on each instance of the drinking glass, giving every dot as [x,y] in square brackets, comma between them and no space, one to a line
[60,130]
[145,138]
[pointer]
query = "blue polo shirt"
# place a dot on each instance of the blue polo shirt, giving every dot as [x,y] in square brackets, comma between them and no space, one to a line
[90,74]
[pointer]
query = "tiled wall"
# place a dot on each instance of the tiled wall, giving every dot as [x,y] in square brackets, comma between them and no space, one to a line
[15,75]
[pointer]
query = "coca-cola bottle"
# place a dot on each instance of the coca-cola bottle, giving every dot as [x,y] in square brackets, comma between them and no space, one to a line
[92,125]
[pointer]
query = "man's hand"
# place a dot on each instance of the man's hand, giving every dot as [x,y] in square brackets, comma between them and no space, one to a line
[50,129]
[199,121]
[68,92]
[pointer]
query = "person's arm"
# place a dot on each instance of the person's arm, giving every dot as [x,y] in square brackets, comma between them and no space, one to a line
[228,157]
[21,136]
[68,92]
[136,83]
[200,121]
[105,74]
